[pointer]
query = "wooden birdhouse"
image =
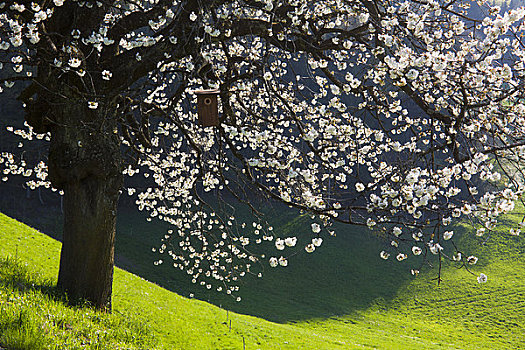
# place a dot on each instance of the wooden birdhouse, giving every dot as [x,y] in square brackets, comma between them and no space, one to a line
[208,107]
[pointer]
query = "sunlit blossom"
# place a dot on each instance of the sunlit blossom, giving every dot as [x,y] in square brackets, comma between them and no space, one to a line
[472,260]
[310,248]
[290,241]
[401,257]
[482,278]
[92,105]
[448,235]
[317,241]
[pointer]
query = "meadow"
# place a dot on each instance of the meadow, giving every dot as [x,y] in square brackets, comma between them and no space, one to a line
[341,297]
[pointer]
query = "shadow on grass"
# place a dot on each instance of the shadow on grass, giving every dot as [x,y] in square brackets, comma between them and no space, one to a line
[17,331]
[16,276]
[342,277]
[38,315]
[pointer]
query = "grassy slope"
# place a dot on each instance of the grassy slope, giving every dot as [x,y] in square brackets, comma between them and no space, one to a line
[176,322]
[345,298]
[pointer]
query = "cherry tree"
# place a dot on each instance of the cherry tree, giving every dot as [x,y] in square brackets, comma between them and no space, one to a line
[403,116]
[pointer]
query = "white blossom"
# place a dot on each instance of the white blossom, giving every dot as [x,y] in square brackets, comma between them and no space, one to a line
[482,278]
[92,105]
[472,260]
[316,228]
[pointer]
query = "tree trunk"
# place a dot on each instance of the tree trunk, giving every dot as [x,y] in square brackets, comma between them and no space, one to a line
[85,162]
[87,256]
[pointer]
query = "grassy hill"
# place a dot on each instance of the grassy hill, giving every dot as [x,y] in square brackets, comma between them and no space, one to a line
[342,297]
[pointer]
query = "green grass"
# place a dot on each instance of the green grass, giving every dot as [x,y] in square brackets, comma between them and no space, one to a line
[341,297]
[33,315]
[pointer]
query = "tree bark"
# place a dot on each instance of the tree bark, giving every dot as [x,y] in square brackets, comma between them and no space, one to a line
[85,162]
[87,256]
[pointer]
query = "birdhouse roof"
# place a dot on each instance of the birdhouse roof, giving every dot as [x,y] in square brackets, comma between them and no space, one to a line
[207,92]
